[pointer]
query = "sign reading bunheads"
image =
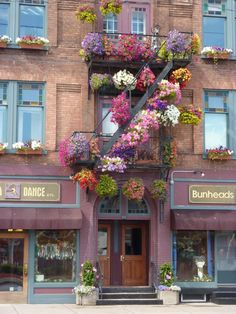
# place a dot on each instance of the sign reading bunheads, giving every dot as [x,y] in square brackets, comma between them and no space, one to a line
[214,194]
[29,192]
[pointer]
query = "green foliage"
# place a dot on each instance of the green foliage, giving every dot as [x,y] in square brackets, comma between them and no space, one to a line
[106,186]
[88,274]
[158,190]
[166,275]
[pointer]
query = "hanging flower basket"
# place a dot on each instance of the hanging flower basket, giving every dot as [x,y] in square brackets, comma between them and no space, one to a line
[169,91]
[97,80]
[145,79]
[169,154]
[158,190]
[190,115]
[133,189]
[110,7]
[86,178]
[106,187]
[220,153]
[120,109]
[181,76]
[123,79]
[86,13]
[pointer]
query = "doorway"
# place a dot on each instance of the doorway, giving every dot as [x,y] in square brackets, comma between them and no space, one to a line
[13,267]
[123,252]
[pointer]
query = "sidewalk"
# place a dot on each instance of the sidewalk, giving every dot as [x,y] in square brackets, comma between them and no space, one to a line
[194,308]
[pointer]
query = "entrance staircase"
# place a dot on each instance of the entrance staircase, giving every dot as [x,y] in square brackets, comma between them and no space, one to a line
[224,295]
[128,295]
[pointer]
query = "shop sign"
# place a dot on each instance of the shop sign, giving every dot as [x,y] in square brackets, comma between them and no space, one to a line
[214,194]
[29,192]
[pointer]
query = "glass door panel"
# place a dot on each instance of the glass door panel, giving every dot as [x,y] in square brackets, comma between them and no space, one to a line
[226,257]
[104,234]
[11,264]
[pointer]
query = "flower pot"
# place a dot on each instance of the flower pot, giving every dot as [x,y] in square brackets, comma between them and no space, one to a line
[39,278]
[89,299]
[29,152]
[169,297]
[30,46]
[223,55]
[3,44]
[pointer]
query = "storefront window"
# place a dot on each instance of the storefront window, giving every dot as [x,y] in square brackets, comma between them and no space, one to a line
[55,256]
[194,256]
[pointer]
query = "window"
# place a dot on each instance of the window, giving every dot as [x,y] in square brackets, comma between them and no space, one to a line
[21,112]
[193,255]
[138,208]
[138,23]
[218,23]
[110,23]
[109,205]
[216,119]
[55,256]
[30,14]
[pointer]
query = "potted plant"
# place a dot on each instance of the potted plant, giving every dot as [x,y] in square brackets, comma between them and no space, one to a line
[4,41]
[73,149]
[219,153]
[169,91]
[190,115]
[158,190]
[170,116]
[114,164]
[216,53]
[169,154]
[86,13]
[106,187]
[110,7]
[123,79]
[120,109]
[168,292]
[181,76]
[195,44]
[133,189]
[32,147]
[3,147]
[31,42]
[92,45]
[97,80]
[86,293]
[86,178]
[146,79]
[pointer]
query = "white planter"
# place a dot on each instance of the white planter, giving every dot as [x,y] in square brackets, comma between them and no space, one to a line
[39,278]
[89,299]
[169,297]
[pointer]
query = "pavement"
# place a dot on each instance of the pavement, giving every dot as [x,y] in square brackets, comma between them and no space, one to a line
[187,308]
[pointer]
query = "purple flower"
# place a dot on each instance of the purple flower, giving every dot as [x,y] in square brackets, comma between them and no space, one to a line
[123,151]
[92,44]
[158,105]
[163,288]
[175,42]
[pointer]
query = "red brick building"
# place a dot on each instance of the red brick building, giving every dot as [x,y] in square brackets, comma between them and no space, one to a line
[48,225]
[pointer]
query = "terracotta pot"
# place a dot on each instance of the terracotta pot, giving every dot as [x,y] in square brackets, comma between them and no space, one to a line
[3,44]
[217,56]
[30,46]
[30,152]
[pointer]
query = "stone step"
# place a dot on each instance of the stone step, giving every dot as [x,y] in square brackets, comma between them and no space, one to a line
[222,294]
[129,295]
[128,301]
[120,289]
[224,300]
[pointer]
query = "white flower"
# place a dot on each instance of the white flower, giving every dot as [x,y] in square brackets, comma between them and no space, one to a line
[170,116]
[5,39]
[124,78]
[35,145]
[175,288]
[81,290]
[18,145]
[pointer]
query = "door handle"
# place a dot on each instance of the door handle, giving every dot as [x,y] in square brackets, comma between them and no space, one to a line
[122,258]
[25,269]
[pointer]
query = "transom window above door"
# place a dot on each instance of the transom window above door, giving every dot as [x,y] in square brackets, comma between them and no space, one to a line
[23,17]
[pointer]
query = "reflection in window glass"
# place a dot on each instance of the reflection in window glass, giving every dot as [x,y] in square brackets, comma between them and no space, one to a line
[193,248]
[215,130]
[4,19]
[109,205]
[3,112]
[102,241]
[133,241]
[138,21]
[55,256]
[108,127]
[213,31]
[31,20]
[137,208]
[110,23]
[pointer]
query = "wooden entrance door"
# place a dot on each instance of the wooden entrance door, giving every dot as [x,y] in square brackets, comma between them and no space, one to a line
[133,256]
[104,254]
[13,267]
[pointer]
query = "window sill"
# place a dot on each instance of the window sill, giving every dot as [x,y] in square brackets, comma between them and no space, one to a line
[15,46]
[231,58]
[15,152]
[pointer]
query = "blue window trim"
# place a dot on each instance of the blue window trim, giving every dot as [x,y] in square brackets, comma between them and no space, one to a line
[12,89]
[14,22]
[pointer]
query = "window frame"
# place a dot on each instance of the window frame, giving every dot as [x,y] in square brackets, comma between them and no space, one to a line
[12,112]
[14,17]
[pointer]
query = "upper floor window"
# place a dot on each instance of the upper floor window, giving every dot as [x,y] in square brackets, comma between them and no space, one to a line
[21,112]
[218,23]
[110,23]
[29,14]
[138,23]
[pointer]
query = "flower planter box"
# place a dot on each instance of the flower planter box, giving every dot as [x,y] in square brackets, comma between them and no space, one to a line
[30,46]
[30,152]
[218,56]
[220,158]
[169,297]
[89,299]
[2,152]
[3,44]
